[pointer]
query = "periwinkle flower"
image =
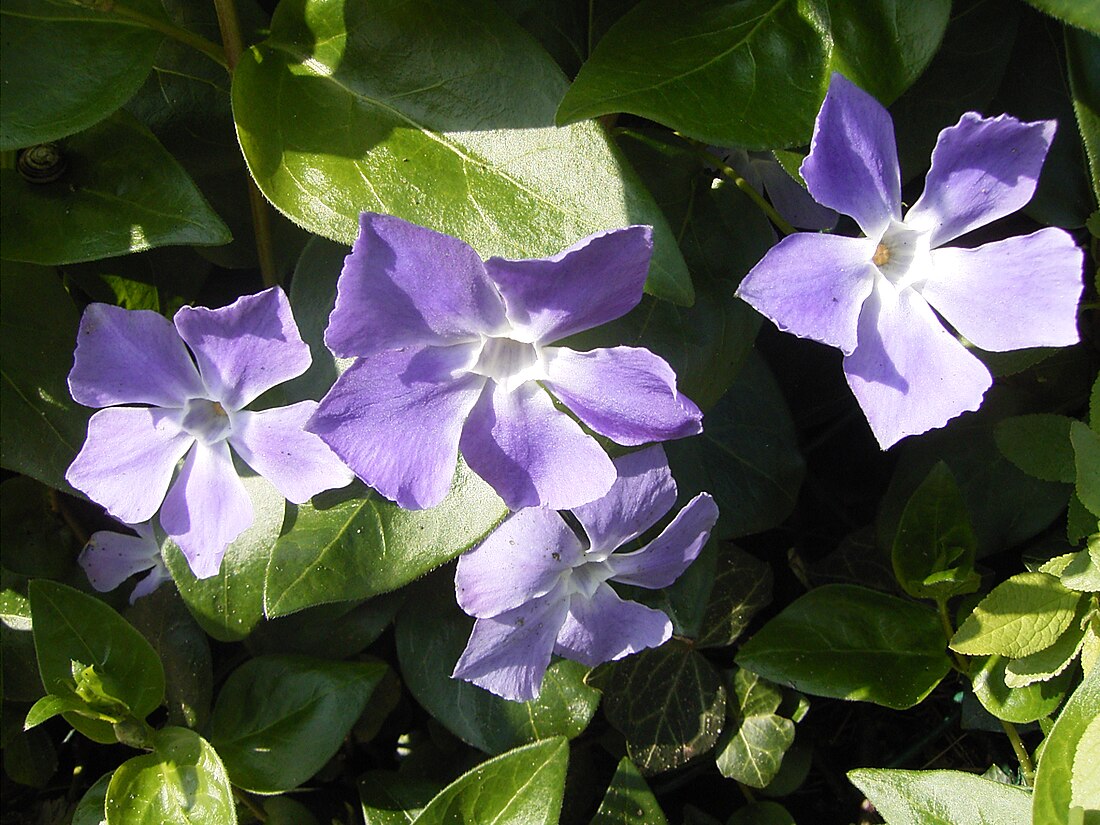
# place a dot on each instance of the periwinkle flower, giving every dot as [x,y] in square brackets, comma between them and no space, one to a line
[110,558]
[192,404]
[876,298]
[536,588]
[454,353]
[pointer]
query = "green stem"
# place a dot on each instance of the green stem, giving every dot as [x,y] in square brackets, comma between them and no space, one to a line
[189,38]
[744,186]
[1024,758]
[949,631]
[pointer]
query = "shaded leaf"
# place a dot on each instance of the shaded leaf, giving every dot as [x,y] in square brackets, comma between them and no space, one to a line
[1083,13]
[1086,452]
[1017,705]
[628,800]
[1039,445]
[392,798]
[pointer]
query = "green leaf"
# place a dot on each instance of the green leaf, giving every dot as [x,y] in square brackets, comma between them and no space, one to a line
[933,551]
[20,667]
[1082,573]
[279,719]
[353,544]
[36,540]
[1039,445]
[329,631]
[391,798]
[1064,781]
[90,809]
[753,744]
[942,798]
[722,72]
[1017,705]
[52,705]
[522,786]
[41,427]
[121,192]
[282,810]
[72,627]
[1050,661]
[669,702]
[628,800]
[848,642]
[1020,616]
[432,633]
[230,604]
[1083,68]
[449,126]
[1083,13]
[1086,451]
[66,67]
[182,782]
[761,813]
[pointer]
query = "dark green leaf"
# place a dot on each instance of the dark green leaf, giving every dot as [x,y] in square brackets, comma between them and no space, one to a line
[561,28]
[29,755]
[942,798]
[1016,705]
[450,126]
[391,798]
[329,631]
[20,667]
[121,192]
[628,800]
[279,719]
[282,810]
[848,642]
[761,813]
[1083,64]
[35,538]
[1083,13]
[1086,453]
[756,738]
[90,809]
[1039,445]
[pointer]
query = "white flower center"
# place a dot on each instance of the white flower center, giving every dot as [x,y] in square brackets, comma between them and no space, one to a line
[586,577]
[902,255]
[509,362]
[207,420]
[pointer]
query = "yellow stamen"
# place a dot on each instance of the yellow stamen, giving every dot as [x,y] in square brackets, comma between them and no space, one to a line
[881,256]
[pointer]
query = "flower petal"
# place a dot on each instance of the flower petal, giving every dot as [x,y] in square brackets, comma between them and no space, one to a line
[395,420]
[508,654]
[813,286]
[531,453]
[909,373]
[982,169]
[130,357]
[605,628]
[157,576]
[625,393]
[643,492]
[207,508]
[275,445]
[405,285]
[519,561]
[245,348]
[1019,292]
[110,558]
[128,459]
[661,562]
[790,200]
[594,281]
[853,162]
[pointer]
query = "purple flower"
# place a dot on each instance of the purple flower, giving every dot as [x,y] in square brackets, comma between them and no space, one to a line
[111,558]
[453,353]
[536,588]
[876,298]
[762,171]
[194,408]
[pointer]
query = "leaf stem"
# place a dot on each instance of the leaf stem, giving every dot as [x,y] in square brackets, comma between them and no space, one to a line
[949,631]
[728,171]
[1027,767]
[188,38]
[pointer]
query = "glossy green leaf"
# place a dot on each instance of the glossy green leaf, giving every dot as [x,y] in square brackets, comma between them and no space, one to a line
[353,544]
[1050,661]
[669,702]
[230,604]
[1083,13]
[279,719]
[121,192]
[90,809]
[52,705]
[722,72]
[848,642]
[521,787]
[72,627]
[628,800]
[182,782]
[432,633]
[20,667]
[66,67]
[942,798]
[1086,452]
[1039,445]
[755,740]
[449,126]
[933,551]
[1017,705]
[1083,65]
[1065,779]
[41,427]
[1022,615]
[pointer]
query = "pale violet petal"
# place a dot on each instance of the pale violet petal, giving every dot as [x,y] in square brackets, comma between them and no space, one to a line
[110,558]
[664,559]
[605,628]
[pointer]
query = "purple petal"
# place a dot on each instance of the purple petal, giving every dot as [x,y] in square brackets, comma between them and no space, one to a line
[110,558]
[596,280]
[982,169]
[661,562]
[531,453]
[643,492]
[813,286]
[128,459]
[853,162]
[1019,292]
[508,654]
[625,393]
[791,201]
[131,357]
[605,628]
[519,561]
[909,373]
[405,285]
[245,348]
[207,508]
[157,576]
[395,420]
[275,445]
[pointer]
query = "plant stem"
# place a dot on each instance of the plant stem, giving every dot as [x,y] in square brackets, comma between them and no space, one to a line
[189,38]
[744,186]
[1024,758]
[949,631]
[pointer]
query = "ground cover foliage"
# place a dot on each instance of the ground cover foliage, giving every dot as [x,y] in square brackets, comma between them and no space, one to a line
[907,635]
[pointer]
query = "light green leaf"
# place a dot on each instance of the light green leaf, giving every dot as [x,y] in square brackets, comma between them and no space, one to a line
[182,782]
[753,745]
[1082,573]
[628,800]
[942,798]
[1050,661]
[1020,616]
[1017,705]
[1039,445]
[53,705]
[1086,450]
[1062,782]
[1083,13]
[849,642]
[449,126]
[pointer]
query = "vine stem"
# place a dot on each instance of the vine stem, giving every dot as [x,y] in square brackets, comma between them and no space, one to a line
[728,171]
[189,38]
[1027,767]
